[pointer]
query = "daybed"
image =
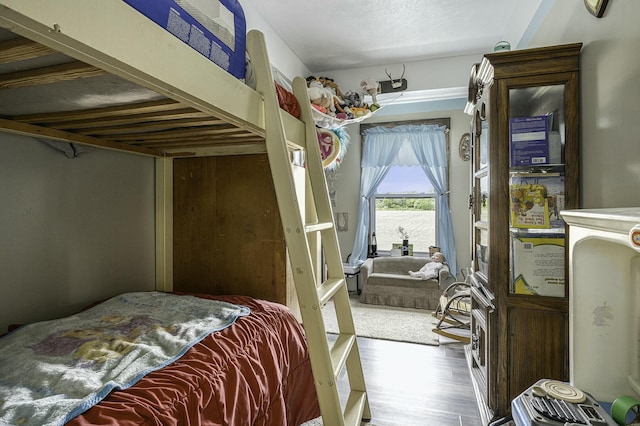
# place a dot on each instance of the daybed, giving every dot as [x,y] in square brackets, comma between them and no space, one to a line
[386,281]
[254,371]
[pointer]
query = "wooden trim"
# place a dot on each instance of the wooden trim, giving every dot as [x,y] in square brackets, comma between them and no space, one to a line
[164,224]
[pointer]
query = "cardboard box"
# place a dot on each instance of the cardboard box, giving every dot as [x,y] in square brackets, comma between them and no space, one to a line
[529,137]
[537,265]
[536,201]
[220,38]
[398,246]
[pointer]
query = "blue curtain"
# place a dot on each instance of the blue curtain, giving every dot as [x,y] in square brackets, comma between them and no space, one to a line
[409,145]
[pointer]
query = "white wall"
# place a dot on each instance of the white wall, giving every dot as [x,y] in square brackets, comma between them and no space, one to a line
[610,87]
[280,54]
[435,74]
[71,230]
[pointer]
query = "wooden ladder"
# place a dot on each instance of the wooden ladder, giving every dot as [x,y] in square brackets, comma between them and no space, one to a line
[307,238]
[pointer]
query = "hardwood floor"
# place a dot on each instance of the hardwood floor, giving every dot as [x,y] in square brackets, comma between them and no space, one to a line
[416,385]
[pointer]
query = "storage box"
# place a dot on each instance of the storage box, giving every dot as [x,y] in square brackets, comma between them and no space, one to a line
[537,265]
[529,138]
[399,246]
[220,38]
[536,201]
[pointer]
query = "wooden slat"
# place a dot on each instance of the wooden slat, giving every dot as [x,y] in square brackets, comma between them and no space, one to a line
[132,119]
[95,113]
[246,139]
[181,133]
[200,140]
[153,126]
[20,49]
[46,133]
[47,75]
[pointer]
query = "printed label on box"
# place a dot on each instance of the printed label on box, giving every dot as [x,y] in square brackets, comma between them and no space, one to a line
[538,266]
[529,206]
[529,140]
[220,38]
[399,246]
[536,202]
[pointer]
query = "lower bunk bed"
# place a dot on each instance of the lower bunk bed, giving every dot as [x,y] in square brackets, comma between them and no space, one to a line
[154,358]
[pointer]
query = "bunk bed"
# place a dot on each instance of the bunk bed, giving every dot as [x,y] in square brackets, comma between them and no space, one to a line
[107,76]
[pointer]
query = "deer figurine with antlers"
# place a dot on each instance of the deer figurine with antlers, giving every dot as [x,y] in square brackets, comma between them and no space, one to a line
[394,85]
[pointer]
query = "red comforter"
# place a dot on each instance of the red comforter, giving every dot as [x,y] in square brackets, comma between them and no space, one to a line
[256,372]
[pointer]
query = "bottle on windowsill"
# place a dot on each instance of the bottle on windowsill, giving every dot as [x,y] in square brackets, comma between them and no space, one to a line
[374,244]
[405,247]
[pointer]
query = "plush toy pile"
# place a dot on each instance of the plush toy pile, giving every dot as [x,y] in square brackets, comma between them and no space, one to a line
[326,97]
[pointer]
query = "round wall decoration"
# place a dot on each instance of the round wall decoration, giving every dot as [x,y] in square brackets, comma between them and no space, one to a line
[464,149]
[472,92]
[596,7]
[329,146]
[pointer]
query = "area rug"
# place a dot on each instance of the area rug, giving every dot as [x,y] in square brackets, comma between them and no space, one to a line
[386,322]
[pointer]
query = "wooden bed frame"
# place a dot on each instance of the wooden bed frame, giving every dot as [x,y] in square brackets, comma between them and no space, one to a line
[185,118]
[188,107]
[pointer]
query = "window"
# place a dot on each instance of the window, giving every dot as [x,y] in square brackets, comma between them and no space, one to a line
[420,143]
[405,198]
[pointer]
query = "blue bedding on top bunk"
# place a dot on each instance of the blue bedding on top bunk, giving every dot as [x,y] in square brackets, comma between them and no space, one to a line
[217,38]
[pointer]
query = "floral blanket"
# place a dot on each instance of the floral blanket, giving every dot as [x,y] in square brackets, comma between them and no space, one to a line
[52,371]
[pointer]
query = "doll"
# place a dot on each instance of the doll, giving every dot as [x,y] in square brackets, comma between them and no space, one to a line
[431,269]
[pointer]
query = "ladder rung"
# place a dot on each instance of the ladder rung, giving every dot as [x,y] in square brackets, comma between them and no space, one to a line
[329,288]
[315,227]
[340,352]
[354,408]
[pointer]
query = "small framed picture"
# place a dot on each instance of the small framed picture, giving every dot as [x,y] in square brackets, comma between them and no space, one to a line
[342,222]
[596,7]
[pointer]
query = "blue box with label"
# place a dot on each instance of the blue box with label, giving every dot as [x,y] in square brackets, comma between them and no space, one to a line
[219,36]
[529,137]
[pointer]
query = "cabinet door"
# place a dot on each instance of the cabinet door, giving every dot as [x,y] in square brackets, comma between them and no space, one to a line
[539,139]
[539,351]
[481,194]
[537,189]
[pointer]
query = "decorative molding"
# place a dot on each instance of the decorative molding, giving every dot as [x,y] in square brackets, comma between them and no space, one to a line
[464,148]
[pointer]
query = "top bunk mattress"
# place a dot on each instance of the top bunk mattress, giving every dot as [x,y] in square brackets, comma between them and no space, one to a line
[214,28]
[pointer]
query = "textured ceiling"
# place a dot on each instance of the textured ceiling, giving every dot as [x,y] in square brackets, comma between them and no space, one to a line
[335,35]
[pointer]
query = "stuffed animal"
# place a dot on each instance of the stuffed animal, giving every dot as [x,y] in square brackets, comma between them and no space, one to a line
[352,99]
[319,97]
[370,87]
[359,112]
[329,83]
